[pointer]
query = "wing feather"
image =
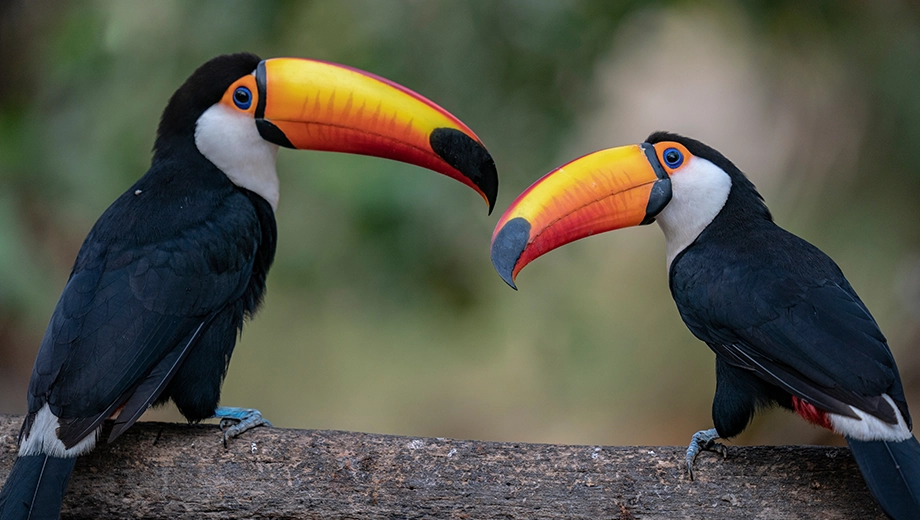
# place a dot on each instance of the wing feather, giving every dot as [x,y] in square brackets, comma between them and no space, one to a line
[794,321]
[131,311]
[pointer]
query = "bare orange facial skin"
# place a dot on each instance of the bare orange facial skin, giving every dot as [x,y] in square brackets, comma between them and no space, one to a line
[661,147]
[599,192]
[249,82]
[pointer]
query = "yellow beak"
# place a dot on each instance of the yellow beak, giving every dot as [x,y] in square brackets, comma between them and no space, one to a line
[602,191]
[315,105]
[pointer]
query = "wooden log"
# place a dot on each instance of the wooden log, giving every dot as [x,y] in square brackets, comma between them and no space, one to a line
[159,470]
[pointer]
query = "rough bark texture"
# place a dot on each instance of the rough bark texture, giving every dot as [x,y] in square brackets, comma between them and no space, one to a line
[159,470]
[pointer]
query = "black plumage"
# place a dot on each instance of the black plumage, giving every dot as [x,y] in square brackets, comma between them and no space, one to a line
[891,472]
[788,329]
[42,481]
[775,308]
[785,325]
[179,259]
[167,276]
[157,296]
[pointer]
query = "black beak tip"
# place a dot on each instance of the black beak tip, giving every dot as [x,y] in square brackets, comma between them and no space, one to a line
[490,186]
[506,275]
[470,158]
[508,246]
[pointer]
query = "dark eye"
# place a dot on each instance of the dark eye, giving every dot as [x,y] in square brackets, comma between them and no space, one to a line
[242,98]
[673,158]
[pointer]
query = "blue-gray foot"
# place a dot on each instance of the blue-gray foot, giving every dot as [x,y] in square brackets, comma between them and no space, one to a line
[703,440]
[234,421]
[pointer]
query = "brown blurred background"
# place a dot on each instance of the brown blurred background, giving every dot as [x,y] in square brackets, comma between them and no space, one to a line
[383,312]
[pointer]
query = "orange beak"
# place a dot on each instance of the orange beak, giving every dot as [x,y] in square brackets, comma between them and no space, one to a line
[602,191]
[315,105]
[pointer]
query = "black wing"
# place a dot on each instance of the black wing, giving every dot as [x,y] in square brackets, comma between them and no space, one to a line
[133,307]
[790,316]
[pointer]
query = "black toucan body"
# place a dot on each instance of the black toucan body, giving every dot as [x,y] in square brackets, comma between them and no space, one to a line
[786,326]
[168,274]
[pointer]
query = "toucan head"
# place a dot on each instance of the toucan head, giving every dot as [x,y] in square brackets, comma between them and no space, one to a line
[678,181]
[238,109]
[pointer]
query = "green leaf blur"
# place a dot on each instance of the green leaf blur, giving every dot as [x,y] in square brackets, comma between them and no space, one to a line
[383,312]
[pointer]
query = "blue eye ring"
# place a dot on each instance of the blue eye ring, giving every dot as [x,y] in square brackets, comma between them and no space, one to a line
[673,158]
[242,98]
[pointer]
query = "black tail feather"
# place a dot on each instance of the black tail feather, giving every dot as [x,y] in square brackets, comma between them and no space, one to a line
[35,487]
[892,472]
[151,388]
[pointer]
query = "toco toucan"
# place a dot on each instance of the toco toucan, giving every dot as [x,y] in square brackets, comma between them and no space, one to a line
[785,325]
[168,274]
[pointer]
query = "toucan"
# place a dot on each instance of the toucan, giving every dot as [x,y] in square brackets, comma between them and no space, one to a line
[166,277]
[786,327]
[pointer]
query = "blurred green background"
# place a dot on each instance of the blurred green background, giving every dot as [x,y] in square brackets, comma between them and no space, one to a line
[383,312]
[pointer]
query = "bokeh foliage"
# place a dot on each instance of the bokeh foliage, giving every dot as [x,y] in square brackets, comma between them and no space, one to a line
[383,312]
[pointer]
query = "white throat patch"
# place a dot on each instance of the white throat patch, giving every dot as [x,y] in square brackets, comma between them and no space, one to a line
[698,193]
[231,141]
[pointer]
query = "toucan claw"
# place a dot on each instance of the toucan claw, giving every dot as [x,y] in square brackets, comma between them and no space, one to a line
[235,421]
[704,440]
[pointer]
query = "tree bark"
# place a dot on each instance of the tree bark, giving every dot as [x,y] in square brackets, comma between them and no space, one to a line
[159,470]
